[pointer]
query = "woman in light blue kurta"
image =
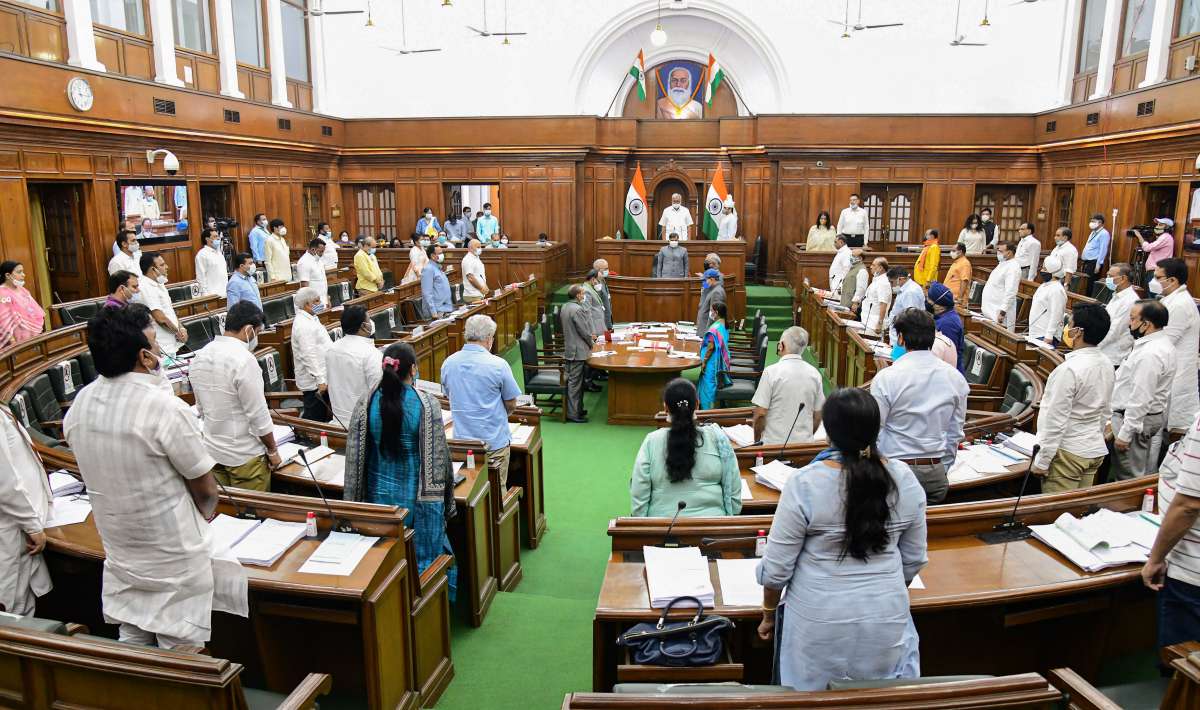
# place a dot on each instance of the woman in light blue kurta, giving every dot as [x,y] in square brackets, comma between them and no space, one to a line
[848,537]
[714,355]
[685,462]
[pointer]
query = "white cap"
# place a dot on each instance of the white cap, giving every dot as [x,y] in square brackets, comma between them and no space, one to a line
[1053,265]
[729,200]
[1164,220]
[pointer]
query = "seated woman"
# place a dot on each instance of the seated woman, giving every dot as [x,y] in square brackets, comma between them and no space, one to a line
[714,355]
[396,454]
[848,537]
[21,317]
[685,462]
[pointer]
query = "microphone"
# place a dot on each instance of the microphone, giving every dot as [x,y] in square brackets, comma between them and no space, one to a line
[240,512]
[1010,530]
[669,541]
[338,525]
[789,434]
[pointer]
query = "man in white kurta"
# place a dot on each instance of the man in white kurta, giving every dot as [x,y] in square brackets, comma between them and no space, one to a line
[310,269]
[127,256]
[676,219]
[1117,344]
[1049,304]
[1000,292]
[329,256]
[1065,250]
[729,221]
[353,364]
[24,505]
[840,264]
[1183,330]
[149,479]
[1029,250]
[210,265]
[153,293]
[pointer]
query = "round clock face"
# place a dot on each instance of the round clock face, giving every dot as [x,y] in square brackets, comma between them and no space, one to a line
[79,93]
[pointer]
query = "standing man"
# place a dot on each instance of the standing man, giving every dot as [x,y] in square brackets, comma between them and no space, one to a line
[1000,292]
[958,276]
[1117,344]
[1029,250]
[329,256]
[1049,303]
[258,237]
[366,266]
[840,266]
[468,223]
[242,285]
[486,224]
[676,219]
[1065,250]
[601,267]
[428,224]
[353,365]
[852,223]
[210,264]
[149,477]
[922,405]
[277,253]
[712,292]
[1163,246]
[310,269]
[128,256]
[122,287]
[1075,406]
[435,287]
[1142,392]
[729,222]
[310,340]
[595,309]
[482,393]
[1095,251]
[228,384]
[989,227]
[1183,331]
[24,506]
[853,287]
[783,390]
[926,269]
[672,260]
[475,286]
[152,292]
[577,348]
[906,294]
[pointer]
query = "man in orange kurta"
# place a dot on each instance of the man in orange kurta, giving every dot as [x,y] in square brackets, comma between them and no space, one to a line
[958,276]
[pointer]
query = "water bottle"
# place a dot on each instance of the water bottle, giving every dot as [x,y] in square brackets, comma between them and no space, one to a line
[1148,501]
[310,524]
[758,461]
[470,458]
[325,439]
[760,544]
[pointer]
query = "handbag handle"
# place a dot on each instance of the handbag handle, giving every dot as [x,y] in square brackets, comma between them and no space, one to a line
[662,620]
[662,648]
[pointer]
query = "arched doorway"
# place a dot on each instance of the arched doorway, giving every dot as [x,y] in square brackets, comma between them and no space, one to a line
[662,200]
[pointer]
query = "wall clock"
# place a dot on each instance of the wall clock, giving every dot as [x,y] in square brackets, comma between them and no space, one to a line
[79,93]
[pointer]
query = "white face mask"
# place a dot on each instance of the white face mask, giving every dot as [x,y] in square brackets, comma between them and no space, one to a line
[487,213]
[428,216]
[674,243]
[162,279]
[441,258]
[283,231]
[252,343]
[986,218]
[1094,225]
[1000,258]
[251,269]
[675,205]
[1155,286]
[19,283]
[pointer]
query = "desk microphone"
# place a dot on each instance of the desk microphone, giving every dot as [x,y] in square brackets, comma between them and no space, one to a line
[338,525]
[1010,530]
[792,427]
[669,541]
[239,511]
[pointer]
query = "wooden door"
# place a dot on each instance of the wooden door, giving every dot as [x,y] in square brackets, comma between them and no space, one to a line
[1009,205]
[1064,205]
[63,230]
[1160,202]
[892,212]
[313,199]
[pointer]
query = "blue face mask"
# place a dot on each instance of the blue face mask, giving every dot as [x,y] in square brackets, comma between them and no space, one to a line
[1110,284]
[318,308]
[371,252]
[897,352]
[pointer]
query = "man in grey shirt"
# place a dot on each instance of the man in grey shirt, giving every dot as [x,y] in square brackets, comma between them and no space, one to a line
[713,292]
[577,348]
[594,303]
[672,260]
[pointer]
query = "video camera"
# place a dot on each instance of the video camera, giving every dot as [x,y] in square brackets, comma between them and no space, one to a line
[225,224]
[1144,232]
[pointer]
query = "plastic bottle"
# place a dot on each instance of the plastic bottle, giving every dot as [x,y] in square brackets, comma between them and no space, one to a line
[470,458]
[758,461]
[325,439]
[760,544]
[310,524]
[1148,501]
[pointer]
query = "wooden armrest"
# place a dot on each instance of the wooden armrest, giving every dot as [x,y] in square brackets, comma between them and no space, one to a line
[437,568]
[1083,695]
[305,694]
[296,394]
[287,411]
[73,629]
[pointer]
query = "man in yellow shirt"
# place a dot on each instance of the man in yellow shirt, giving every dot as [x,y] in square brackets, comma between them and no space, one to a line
[278,254]
[958,276]
[370,277]
[926,269]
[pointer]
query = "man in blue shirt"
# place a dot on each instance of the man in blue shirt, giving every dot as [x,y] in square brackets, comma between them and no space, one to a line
[258,237]
[487,225]
[435,287]
[482,392]
[906,294]
[242,285]
[1096,250]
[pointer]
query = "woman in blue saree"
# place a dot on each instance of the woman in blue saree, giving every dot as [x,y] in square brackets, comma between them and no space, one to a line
[714,355]
[396,454]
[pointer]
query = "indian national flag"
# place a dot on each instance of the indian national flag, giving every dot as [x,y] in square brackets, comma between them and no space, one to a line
[638,72]
[635,207]
[715,75]
[713,204]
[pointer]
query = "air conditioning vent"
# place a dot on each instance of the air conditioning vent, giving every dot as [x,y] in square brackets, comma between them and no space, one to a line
[164,106]
[1093,119]
[233,116]
[285,124]
[1146,108]
[327,131]
[1051,126]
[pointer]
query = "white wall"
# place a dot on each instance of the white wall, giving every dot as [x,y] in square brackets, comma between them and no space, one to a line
[781,55]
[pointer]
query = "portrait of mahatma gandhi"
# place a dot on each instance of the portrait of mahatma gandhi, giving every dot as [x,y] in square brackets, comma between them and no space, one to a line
[677,89]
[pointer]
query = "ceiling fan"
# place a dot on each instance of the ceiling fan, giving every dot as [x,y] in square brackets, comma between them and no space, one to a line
[484,32]
[958,40]
[404,50]
[320,11]
[846,26]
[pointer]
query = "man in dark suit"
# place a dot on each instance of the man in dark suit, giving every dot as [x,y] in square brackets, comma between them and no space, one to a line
[594,303]
[713,292]
[601,268]
[577,348]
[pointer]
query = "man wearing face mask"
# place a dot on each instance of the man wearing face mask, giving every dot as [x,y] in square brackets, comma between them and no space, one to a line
[1049,303]
[601,267]
[1000,292]
[989,227]
[1117,344]
[366,266]
[486,224]
[353,365]
[1095,251]
[712,292]
[468,223]
[210,264]
[310,340]
[230,400]
[128,256]
[958,276]
[242,285]
[852,223]
[475,286]
[1183,331]
[672,260]
[1161,247]
[840,266]
[416,258]
[577,348]
[310,269]
[456,229]
[435,287]
[877,298]
[277,253]
[1142,392]
[258,237]
[676,219]
[122,287]
[152,293]
[329,256]
[906,294]
[1029,250]
[1065,250]
[853,287]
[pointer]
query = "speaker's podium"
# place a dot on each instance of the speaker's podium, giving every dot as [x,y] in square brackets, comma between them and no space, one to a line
[637,296]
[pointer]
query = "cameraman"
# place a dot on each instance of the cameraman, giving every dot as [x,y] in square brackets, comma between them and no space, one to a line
[1161,247]
[222,227]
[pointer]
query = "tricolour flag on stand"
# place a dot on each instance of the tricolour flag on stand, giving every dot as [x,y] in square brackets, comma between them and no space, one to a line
[714,203]
[635,207]
[715,75]
[638,72]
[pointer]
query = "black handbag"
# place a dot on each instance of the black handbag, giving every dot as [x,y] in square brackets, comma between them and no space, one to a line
[695,642]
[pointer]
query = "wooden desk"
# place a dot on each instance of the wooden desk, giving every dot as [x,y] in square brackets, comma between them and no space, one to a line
[802,264]
[635,257]
[641,298]
[636,379]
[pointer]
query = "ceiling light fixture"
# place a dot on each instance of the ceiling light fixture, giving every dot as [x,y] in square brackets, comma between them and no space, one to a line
[659,36]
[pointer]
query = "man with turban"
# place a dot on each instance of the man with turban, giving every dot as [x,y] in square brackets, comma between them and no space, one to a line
[945,318]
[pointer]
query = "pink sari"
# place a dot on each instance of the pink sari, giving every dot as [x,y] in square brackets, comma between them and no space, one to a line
[21,318]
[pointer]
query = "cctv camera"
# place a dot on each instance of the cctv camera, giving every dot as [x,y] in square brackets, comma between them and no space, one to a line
[170,162]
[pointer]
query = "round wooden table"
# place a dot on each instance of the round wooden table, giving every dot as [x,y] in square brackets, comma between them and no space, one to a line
[636,378]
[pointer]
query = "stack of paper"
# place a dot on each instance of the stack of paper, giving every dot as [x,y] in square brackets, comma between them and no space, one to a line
[854,325]
[291,452]
[330,469]
[226,531]
[774,475]
[1021,441]
[604,353]
[283,434]
[677,572]
[984,459]
[266,543]
[683,355]
[739,582]
[520,433]
[690,337]
[1103,539]
[1039,343]
[68,510]
[962,472]
[653,345]
[740,434]
[64,484]
[882,351]
[339,554]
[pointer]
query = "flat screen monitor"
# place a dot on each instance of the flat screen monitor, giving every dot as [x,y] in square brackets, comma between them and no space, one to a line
[157,211]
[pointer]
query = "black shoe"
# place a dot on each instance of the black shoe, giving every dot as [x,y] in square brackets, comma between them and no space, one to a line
[592,387]
[580,420]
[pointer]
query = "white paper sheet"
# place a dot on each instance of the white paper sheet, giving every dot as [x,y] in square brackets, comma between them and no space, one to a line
[916,583]
[225,531]
[739,434]
[268,542]
[677,572]
[338,554]
[68,510]
[739,582]
[746,494]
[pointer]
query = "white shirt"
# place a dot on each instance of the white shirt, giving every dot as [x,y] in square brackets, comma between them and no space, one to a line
[838,267]
[922,407]
[210,272]
[1000,292]
[228,385]
[1068,254]
[136,445]
[354,366]
[1075,407]
[155,296]
[1183,330]
[728,228]
[24,505]
[973,241]
[1118,342]
[124,262]
[311,268]
[310,340]
[1143,382]
[1046,311]
[876,301]
[472,264]
[677,219]
[329,258]
[783,387]
[1180,473]
[1029,251]
[852,220]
